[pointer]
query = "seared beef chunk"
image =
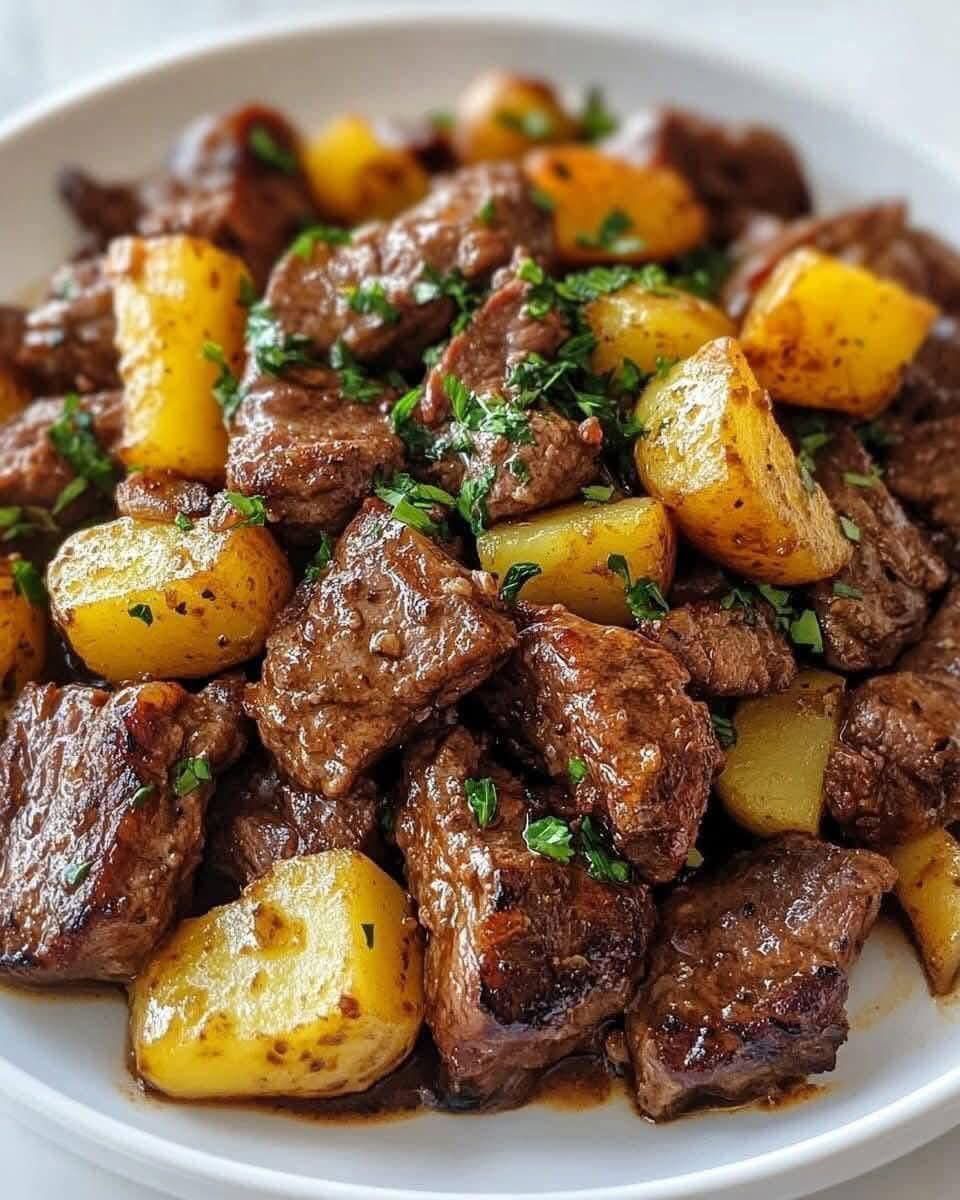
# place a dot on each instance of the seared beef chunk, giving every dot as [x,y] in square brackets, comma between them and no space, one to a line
[394,631]
[309,452]
[923,468]
[615,700]
[12,319]
[931,383]
[102,815]
[32,472]
[748,976]
[161,496]
[367,292]
[938,652]
[878,237]
[878,602]
[727,651]
[734,169]
[259,818]
[104,210]
[67,343]
[526,956]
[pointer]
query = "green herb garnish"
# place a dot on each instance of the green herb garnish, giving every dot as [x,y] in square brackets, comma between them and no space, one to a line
[74,440]
[482,799]
[355,383]
[851,530]
[805,631]
[320,561]
[596,120]
[517,575]
[858,479]
[535,124]
[601,864]
[142,795]
[412,502]
[725,730]
[611,235]
[274,350]
[141,612]
[576,770]
[76,873]
[598,493]
[371,299]
[550,837]
[266,147]
[28,582]
[644,597]
[226,387]
[183,522]
[331,235]
[252,508]
[189,774]
[472,500]
[846,591]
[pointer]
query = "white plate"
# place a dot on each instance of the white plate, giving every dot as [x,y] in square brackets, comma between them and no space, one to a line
[62,1068]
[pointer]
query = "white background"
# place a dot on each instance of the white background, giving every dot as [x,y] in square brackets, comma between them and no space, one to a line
[897,60]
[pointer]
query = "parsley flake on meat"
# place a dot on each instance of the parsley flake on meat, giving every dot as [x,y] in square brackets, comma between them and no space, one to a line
[418,440]
[320,561]
[371,299]
[24,521]
[355,383]
[253,509]
[189,774]
[851,530]
[74,440]
[576,770]
[472,500]
[601,864]
[183,522]
[28,582]
[598,493]
[274,350]
[517,575]
[550,837]
[75,873]
[226,387]
[725,730]
[482,799]
[414,503]
[846,591]
[858,479]
[142,795]
[266,147]
[432,285]
[331,235]
[644,598]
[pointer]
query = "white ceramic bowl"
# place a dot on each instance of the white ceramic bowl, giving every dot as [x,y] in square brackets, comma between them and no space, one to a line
[62,1065]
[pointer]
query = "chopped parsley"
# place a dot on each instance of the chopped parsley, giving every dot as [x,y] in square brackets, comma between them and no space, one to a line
[805,631]
[371,299]
[141,612]
[189,774]
[246,292]
[226,387]
[183,522]
[851,530]
[576,770]
[596,120]
[858,479]
[28,582]
[74,440]
[601,864]
[432,285]
[472,500]
[251,508]
[644,597]
[725,730]
[543,200]
[266,147]
[702,272]
[355,383]
[813,437]
[274,350]
[331,235]
[550,837]
[536,123]
[487,212]
[875,436]
[417,439]
[142,795]
[611,235]
[598,493]
[481,414]
[800,625]
[846,591]
[24,520]
[519,469]
[368,933]
[413,503]
[482,799]
[320,561]
[517,575]
[76,873]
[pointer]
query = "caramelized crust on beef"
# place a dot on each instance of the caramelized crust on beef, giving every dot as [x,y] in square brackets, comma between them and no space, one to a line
[161,496]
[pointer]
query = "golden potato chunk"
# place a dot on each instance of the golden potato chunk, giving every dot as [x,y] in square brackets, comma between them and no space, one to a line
[500,115]
[608,210]
[311,984]
[714,454]
[773,778]
[652,326]
[141,598]
[23,626]
[357,176]
[172,296]
[825,334]
[571,545]
[929,890]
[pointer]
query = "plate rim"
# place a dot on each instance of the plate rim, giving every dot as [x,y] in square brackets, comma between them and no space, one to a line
[922,1114]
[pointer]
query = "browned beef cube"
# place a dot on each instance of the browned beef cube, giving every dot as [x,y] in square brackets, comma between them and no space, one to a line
[878,603]
[161,496]
[67,343]
[310,453]
[734,169]
[732,651]
[615,700]
[931,383]
[938,651]
[526,956]
[747,984]
[311,295]
[102,800]
[259,818]
[104,210]
[32,472]
[923,469]
[12,318]
[394,632]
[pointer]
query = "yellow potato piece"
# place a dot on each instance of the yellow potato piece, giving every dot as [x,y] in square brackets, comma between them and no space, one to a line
[773,778]
[653,207]
[23,635]
[206,598]
[714,454]
[311,984]
[172,295]
[651,326]
[571,545]
[500,116]
[825,334]
[929,890]
[356,176]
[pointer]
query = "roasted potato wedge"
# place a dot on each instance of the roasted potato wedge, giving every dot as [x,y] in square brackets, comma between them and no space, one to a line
[142,598]
[652,326]
[773,778]
[500,115]
[571,545]
[311,984]
[714,454]
[172,296]
[608,210]
[823,333]
[14,393]
[357,176]
[23,630]
[929,890]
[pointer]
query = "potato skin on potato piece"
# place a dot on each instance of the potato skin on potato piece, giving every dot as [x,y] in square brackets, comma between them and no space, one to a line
[773,778]
[714,454]
[500,115]
[171,295]
[142,598]
[571,545]
[649,326]
[659,216]
[356,176]
[822,333]
[929,890]
[310,984]
[23,635]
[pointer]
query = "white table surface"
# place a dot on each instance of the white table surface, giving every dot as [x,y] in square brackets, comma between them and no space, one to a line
[895,58]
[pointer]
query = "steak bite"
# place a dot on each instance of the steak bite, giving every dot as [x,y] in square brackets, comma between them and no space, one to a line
[162,496]
[309,452]
[526,956]
[747,984]
[878,602]
[394,632]
[543,457]
[102,801]
[923,469]
[938,651]
[260,818]
[615,700]
[382,292]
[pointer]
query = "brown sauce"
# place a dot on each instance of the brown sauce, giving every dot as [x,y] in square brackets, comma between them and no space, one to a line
[576,1084]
